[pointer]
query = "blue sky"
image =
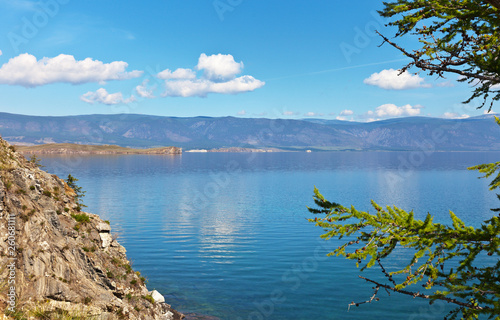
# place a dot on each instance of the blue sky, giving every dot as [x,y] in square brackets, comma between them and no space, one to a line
[293,59]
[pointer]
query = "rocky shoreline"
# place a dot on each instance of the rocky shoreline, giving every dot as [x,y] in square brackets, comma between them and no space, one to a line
[58,262]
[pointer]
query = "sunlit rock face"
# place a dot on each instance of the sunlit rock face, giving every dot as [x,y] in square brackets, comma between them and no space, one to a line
[59,260]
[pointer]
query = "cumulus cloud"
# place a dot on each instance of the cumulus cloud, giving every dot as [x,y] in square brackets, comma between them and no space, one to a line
[24,70]
[219,76]
[1,52]
[143,91]
[242,113]
[289,113]
[390,79]
[202,87]
[346,113]
[391,111]
[102,96]
[454,115]
[219,67]
[178,74]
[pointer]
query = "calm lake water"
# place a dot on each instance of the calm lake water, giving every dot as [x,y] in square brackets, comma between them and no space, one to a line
[226,234]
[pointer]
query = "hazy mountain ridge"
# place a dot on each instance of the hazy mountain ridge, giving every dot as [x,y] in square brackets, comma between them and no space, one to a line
[141,131]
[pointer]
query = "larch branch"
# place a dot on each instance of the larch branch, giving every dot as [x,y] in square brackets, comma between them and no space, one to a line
[425,296]
[440,68]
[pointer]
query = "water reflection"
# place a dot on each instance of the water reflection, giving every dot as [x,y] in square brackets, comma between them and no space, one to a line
[224,231]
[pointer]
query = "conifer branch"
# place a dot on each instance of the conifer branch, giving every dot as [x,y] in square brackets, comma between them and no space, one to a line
[426,296]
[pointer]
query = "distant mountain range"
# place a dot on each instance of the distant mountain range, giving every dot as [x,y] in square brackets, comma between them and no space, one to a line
[145,131]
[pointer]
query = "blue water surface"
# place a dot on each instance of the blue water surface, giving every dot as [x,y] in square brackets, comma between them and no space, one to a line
[225,234]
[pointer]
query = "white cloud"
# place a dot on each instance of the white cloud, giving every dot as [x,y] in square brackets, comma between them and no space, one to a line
[143,91]
[102,96]
[219,67]
[346,113]
[289,113]
[242,113]
[202,87]
[391,110]
[178,74]
[219,77]
[391,80]
[1,52]
[454,115]
[25,70]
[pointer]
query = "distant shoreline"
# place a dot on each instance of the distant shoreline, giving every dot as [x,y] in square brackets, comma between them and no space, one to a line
[236,149]
[70,148]
[85,149]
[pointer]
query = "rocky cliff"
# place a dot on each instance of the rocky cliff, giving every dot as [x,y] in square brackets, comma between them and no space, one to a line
[57,262]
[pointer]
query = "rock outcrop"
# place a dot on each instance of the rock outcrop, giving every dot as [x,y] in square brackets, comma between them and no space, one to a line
[57,262]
